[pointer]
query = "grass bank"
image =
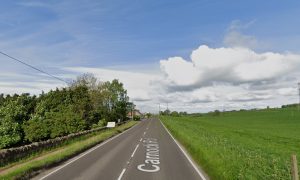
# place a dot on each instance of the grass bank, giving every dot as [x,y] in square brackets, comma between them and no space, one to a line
[27,167]
[241,145]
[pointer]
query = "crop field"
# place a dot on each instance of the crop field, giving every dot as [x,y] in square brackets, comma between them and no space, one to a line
[254,144]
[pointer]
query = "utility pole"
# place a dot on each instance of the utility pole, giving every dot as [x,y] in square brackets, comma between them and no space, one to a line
[158,109]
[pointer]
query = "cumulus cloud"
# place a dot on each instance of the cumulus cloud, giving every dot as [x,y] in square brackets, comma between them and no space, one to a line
[231,65]
[231,77]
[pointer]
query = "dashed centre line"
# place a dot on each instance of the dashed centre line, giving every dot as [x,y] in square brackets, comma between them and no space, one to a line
[135,150]
[122,173]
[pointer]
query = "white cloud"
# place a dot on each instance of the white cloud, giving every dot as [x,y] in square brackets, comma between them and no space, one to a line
[288,91]
[232,77]
[231,65]
[138,84]
[179,71]
[234,38]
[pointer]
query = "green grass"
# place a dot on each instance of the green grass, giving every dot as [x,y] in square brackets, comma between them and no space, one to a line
[241,145]
[25,168]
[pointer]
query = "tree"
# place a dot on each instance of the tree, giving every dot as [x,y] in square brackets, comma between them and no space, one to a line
[2,99]
[37,129]
[88,80]
[174,113]
[167,112]
[9,132]
[84,104]
[183,113]
[12,114]
[65,122]
[114,100]
[148,115]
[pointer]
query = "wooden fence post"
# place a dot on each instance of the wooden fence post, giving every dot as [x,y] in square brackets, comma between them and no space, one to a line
[295,175]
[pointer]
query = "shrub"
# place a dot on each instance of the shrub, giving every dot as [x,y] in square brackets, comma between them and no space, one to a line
[36,129]
[9,132]
[101,123]
[136,118]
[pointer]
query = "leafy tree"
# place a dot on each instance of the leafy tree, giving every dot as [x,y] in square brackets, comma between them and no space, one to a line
[148,115]
[114,100]
[2,99]
[12,113]
[86,103]
[65,122]
[174,113]
[37,129]
[9,132]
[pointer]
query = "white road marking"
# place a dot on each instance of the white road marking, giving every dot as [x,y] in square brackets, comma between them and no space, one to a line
[122,173]
[185,154]
[141,139]
[144,133]
[89,151]
[152,156]
[134,150]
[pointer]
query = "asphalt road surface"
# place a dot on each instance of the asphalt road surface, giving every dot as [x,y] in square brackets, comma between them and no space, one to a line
[145,152]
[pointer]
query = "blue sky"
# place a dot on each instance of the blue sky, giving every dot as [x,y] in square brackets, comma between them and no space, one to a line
[108,33]
[134,35]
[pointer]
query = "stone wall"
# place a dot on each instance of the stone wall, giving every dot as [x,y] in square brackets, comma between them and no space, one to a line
[13,154]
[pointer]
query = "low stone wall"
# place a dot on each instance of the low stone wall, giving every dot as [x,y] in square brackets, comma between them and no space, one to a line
[13,154]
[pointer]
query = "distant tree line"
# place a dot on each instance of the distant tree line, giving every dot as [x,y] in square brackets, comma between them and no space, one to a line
[84,104]
[167,112]
[289,105]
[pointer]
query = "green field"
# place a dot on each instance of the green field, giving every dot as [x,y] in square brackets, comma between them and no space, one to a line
[241,145]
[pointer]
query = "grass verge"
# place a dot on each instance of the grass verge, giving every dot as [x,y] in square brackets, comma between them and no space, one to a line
[241,145]
[28,167]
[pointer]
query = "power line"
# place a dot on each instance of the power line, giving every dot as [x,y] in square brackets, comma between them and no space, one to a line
[37,69]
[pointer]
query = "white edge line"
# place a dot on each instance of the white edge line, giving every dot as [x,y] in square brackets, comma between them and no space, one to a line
[122,173]
[87,152]
[185,154]
[134,150]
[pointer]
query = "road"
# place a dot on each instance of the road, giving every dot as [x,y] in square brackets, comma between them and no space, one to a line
[145,152]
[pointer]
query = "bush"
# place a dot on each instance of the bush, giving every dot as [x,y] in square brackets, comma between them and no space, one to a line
[65,122]
[136,118]
[9,132]
[36,129]
[12,113]
[101,123]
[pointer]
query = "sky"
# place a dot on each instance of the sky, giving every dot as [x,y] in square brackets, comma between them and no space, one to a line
[194,56]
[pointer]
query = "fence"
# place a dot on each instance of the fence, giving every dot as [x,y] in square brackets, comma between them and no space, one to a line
[294,170]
